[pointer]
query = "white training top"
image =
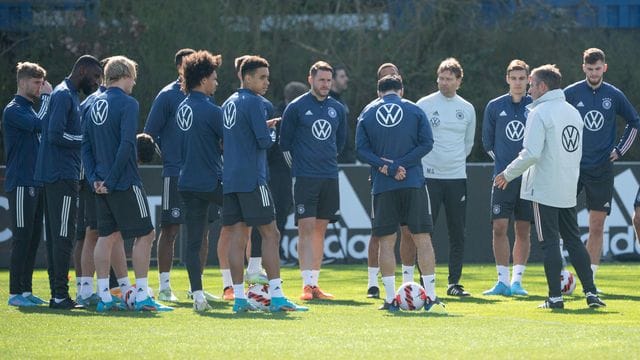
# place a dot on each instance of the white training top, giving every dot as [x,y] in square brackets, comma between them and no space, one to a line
[551,152]
[453,122]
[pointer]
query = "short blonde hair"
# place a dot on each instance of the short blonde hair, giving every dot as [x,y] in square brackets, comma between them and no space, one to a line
[119,67]
[29,70]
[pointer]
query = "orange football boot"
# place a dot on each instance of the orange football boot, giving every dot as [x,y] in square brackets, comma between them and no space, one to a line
[116,292]
[319,294]
[307,292]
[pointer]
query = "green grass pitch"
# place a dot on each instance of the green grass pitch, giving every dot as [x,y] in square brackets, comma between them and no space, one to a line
[349,327]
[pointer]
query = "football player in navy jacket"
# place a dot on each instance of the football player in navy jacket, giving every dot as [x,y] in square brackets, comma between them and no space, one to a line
[407,248]
[110,160]
[314,132]
[58,167]
[200,181]
[21,127]
[393,135]
[502,134]
[162,126]
[247,198]
[599,103]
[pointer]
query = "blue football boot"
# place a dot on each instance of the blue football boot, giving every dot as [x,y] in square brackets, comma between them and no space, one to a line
[499,288]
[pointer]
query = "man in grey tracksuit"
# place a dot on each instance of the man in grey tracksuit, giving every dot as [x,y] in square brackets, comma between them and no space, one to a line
[550,161]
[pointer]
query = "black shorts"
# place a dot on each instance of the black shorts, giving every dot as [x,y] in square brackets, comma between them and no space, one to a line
[253,208]
[409,206]
[86,210]
[125,211]
[598,186]
[171,202]
[507,202]
[316,197]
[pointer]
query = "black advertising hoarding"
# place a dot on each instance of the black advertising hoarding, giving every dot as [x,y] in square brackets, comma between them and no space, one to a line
[348,239]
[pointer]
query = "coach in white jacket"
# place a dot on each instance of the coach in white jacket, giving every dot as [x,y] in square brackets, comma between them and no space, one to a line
[550,161]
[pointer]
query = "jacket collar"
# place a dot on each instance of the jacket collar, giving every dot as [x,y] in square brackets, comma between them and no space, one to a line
[550,95]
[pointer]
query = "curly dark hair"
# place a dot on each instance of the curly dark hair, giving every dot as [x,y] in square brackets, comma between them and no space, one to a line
[146,148]
[198,66]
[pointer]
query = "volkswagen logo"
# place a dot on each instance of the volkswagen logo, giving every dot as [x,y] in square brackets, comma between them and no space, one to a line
[321,129]
[570,138]
[389,115]
[99,112]
[514,130]
[184,117]
[593,120]
[229,115]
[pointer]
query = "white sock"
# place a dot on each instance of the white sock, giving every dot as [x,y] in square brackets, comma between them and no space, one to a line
[518,271]
[87,287]
[238,291]
[389,283]
[407,273]
[25,294]
[198,296]
[11,296]
[103,290]
[555,299]
[373,276]
[307,277]
[142,291]
[430,285]
[594,268]
[315,275]
[124,284]
[255,265]
[226,278]
[275,288]
[503,274]
[165,281]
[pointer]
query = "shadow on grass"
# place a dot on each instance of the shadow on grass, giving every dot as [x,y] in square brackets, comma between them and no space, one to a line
[529,298]
[580,296]
[583,311]
[216,305]
[88,312]
[421,314]
[606,296]
[283,315]
[470,299]
[340,302]
[179,305]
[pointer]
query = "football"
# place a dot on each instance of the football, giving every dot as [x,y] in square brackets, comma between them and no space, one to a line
[411,296]
[258,296]
[129,298]
[567,282]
